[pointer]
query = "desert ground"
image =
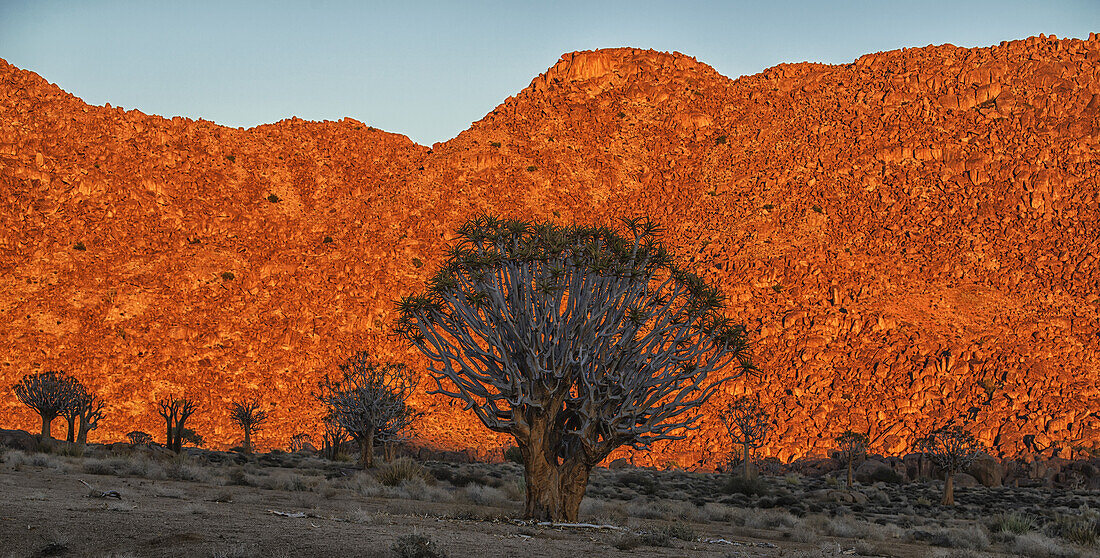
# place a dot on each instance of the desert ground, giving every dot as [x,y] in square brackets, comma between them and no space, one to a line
[121,501]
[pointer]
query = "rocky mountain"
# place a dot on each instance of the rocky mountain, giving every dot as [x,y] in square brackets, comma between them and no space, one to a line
[913,238]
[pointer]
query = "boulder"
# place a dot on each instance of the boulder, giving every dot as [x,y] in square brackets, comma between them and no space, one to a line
[963,480]
[873,470]
[988,470]
[918,466]
[620,463]
[20,440]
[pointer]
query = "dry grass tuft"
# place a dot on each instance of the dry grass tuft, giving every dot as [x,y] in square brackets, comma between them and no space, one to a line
[400,470]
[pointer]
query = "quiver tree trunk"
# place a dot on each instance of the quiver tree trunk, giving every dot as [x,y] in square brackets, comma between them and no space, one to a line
[366,449]
[554,491]
[389,451]
[46,422]
[247,440]
[746,459]
[82,432]
[949,489]
[70,433]
[849,472]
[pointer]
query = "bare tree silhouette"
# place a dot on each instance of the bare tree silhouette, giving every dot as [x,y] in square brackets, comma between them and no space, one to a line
[175,413]
[298,442]
[334,436]
[248,415]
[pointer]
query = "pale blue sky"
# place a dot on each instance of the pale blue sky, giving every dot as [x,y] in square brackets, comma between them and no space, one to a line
[429,69]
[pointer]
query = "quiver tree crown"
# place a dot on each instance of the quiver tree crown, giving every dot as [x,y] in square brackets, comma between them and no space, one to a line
[600,334]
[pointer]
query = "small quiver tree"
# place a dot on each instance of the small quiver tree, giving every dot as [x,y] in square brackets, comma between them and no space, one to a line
[370,402]
[249,416]
[71,412]
[90,412]
[175,413]
[139,438]
[83,412]
[575,341]
[952,449]
[334,437]
[851,446]
[48,393]
[747,424]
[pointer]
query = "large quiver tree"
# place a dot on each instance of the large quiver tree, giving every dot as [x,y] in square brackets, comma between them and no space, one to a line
[574,340]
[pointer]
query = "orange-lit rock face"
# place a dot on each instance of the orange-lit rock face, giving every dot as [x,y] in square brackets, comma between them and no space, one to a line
[912,237]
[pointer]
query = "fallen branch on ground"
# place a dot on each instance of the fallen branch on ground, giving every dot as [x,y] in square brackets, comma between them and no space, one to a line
[94,493]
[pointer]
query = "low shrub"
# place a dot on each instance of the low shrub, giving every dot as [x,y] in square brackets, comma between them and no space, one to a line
[97,467]
[681,531]
[659,538]
[768,519]
[181,469]
[418,489]
[849,528]
[627,541]
[639,481]
[753,486]
[287,482]
[1038,545]
[515,489]
[417,546]
[970,538]
[599,511]
[485,495]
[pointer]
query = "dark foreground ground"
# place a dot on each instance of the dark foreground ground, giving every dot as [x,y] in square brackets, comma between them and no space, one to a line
[219,504]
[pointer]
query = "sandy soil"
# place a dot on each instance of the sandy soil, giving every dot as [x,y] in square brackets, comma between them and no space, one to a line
[48,511]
